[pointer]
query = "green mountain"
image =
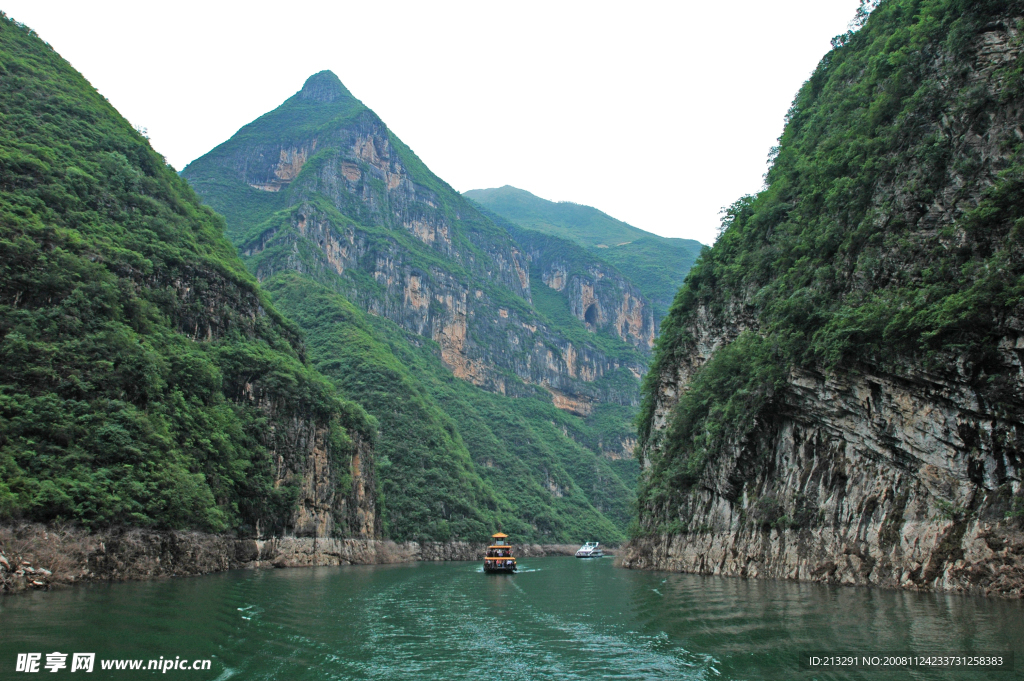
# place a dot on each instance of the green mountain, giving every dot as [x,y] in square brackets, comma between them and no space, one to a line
[504,389]
[145,378]
[838,392]
[656,264]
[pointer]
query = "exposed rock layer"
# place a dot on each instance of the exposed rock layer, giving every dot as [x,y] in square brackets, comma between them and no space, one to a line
[297,437]
[860,478]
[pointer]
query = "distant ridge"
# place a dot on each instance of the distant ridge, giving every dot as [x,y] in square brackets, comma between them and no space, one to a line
[581,223]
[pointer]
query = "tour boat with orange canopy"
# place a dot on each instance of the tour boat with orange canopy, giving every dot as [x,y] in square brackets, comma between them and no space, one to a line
[499,555]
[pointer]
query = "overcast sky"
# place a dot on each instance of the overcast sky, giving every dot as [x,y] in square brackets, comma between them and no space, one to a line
[657,113]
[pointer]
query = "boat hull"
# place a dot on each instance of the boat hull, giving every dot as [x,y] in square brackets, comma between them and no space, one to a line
[500,568]
[591,549]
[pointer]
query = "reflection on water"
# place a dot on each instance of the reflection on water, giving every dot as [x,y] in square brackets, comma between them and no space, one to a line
[559,618]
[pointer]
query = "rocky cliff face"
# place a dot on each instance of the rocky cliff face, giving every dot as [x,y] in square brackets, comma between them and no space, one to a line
[861,477]
[334,479]
[336,489]
[899,466]
[656,265]
[360,205]
[335,483]
[481,340]
[598,295]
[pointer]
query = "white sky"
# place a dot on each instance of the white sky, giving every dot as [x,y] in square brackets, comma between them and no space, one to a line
[658,113]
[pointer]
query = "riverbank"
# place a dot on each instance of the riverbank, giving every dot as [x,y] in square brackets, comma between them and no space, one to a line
[36,556]
[982,559]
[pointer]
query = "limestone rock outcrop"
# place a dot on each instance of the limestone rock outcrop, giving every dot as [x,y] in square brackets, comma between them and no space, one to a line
[862,477]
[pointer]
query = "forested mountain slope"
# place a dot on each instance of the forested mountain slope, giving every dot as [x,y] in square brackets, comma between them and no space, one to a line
[838,393]
[656,265]
[145,379]
[502,401]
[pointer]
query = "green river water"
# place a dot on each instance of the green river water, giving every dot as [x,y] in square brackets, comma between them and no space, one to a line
[559,618]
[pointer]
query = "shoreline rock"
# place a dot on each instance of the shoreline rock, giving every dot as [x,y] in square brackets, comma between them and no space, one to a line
[826,557]
[34,556]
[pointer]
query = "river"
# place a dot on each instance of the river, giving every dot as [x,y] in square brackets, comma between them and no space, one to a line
[559,618]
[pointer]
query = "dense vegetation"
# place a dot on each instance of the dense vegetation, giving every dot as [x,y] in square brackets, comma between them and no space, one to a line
[657,265]
[847,255]
[456,460]
[130,332]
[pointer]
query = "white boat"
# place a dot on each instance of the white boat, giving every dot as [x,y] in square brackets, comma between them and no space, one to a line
[590,550]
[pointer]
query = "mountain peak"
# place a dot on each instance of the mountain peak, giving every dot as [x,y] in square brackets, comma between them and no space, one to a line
[323,87]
